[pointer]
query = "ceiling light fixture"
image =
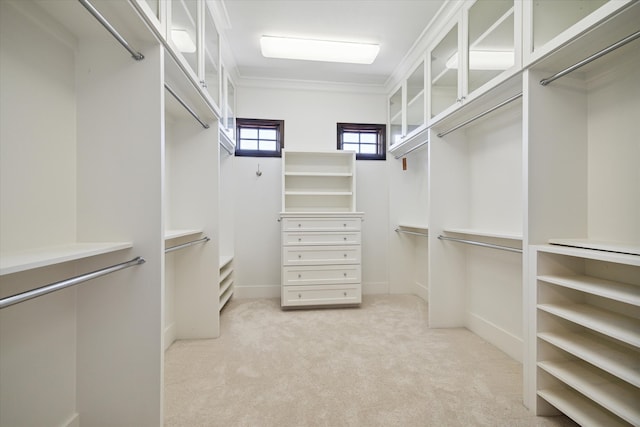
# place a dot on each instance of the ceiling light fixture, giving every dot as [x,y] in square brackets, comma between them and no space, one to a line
[318,50]
[485,60]
[183,41]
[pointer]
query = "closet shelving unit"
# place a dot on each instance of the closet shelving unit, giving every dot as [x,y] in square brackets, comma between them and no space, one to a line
[476,218]
[225,281]
[584,267]
[321,231]
[226,235]
[190,211]
[68,357]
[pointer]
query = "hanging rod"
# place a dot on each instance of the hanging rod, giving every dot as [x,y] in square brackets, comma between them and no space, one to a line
[474,118]
[398,230]
[52,287]
[184,245]
[195,116]
[591,58]
[485,245]
[92,10]
[413,149]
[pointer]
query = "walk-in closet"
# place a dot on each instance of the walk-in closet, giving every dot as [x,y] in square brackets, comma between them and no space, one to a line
[196,229]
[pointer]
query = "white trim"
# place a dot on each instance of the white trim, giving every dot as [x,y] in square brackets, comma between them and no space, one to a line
[311,85]
[421,290]
[503,340]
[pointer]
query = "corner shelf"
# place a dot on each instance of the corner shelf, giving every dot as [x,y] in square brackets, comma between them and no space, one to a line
[15,262]
[225,280]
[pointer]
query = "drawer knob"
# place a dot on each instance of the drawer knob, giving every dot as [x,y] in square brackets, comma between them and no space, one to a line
[299,276]
[299,256]
[344,225]
[345,274]
[299,225]
[299,295]
[299,239]
[345,239]
[345,255]
[345,294]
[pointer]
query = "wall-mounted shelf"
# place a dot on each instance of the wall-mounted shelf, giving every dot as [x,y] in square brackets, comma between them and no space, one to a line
[485,233]
[174,234]
[14,262]
[599,245]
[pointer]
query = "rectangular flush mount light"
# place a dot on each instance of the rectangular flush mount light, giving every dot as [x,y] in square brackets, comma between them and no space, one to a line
[318,50]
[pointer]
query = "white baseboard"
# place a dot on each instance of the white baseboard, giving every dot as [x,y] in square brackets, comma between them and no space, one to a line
[375,288]
[74,421]
[505,341]
[421,290]
[169,335]
[256,291]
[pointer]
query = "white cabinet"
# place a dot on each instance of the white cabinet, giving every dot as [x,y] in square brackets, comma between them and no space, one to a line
[321,253]
[321,259]
[407,107]
[587,317]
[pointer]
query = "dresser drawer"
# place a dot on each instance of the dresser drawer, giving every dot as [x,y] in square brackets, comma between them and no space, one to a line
[320,255]
[320,238]
[321,275]
[319,295]
[321,224]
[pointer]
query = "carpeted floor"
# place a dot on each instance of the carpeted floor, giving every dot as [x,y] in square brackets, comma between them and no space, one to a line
[377,365]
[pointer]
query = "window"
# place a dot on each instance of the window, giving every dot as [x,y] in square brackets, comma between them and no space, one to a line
[368,141]
[259,138]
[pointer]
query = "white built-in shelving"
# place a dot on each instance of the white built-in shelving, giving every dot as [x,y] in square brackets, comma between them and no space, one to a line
[226,279]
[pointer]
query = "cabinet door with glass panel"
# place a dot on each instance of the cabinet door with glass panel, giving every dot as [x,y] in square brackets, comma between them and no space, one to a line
[443,74]
[549,24]
[183,32]
[156,12]
[211,76]
[407,106]
[493,37]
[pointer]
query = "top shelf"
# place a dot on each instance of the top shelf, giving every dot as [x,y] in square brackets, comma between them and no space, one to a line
[14,262]
[174,234]
[606,246]
[319,174]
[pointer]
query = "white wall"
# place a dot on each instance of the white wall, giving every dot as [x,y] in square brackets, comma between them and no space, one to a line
[310,118]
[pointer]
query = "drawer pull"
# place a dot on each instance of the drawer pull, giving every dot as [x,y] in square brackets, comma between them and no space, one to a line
[345,255]
[299,295]
[299,225]
[299,276]
[345,239]
[345,274]
[299,256]
[344,225]
[345,294]
[299,239]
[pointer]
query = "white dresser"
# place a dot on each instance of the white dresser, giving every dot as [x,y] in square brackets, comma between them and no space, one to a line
[321,232]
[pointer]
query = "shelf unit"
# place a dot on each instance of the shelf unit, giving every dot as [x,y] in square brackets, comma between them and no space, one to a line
[225,280]
[318,182]
[587,323]
[321,232]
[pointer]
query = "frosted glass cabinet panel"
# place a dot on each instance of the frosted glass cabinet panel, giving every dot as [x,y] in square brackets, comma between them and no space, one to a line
[445,59]
[491,41]
[184,30]
[395,116]
[154,5]
[211,79]
[416,99]
[551,17]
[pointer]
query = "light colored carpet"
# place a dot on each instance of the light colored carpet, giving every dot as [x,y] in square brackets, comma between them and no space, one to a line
[377,365]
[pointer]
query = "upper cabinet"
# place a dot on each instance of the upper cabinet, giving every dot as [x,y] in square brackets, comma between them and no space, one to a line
[479,49]
[407,106]
[549,25]
[211,76]
[183,32]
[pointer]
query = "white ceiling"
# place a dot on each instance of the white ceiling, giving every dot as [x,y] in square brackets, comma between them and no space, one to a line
[393,24]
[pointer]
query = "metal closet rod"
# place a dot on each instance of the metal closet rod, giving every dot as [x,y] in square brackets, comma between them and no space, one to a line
[474,118]
[52,287]
[193,113]
[398,230]
[413,149]
[92,10]
[185,245]
[484,245]
[591,58]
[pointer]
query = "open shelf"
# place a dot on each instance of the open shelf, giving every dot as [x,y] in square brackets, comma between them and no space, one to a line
[485,233]
[14,262]
[599,245]
[615,395]
[617,291]
[622,328]
[174,234]
[580,409]
[620,361]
